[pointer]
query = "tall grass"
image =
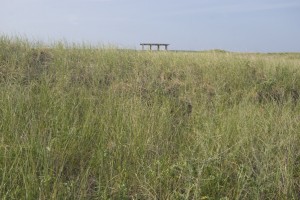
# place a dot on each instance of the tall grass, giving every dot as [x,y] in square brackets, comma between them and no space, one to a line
[85,123]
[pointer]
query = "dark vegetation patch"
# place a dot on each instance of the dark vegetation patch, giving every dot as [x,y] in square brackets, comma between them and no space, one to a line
[38,64]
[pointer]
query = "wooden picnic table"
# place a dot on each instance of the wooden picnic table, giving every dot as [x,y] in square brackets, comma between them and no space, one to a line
[155,44]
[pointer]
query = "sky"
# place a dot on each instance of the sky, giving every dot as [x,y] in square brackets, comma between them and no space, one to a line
[232,25]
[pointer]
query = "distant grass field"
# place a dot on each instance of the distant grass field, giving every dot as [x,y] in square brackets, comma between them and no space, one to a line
[85,123]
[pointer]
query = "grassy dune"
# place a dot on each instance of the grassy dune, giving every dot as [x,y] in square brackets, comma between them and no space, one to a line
[85,123]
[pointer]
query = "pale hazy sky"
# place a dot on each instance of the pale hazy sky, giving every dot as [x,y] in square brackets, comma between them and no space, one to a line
[234,25]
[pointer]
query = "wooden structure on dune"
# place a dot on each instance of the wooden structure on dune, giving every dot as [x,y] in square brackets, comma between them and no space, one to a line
[158,45]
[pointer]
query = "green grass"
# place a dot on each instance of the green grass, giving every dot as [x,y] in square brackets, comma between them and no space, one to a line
[85,123]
